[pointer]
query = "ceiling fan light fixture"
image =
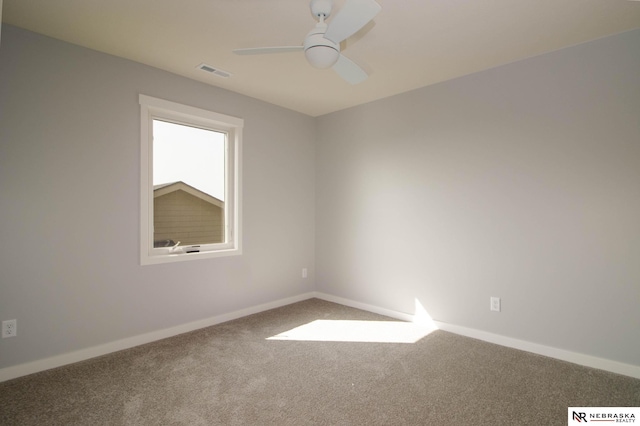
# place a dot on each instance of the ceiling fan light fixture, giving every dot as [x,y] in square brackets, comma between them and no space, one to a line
[322,56]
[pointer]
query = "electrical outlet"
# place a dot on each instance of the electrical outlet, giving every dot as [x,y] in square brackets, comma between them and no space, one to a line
[304,272]
[495,304]
[9,328]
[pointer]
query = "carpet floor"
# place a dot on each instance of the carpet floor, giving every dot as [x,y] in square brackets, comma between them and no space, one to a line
[262,370]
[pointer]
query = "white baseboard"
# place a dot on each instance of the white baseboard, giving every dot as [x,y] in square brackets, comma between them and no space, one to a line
[549,351]
[20,370]
[561,354]
[363,306]
[13,372]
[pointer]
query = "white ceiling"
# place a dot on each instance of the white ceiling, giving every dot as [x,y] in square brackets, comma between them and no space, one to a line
[409,44]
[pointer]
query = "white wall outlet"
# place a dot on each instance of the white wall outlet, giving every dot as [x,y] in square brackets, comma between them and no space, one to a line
[495,304]
[9,328]
[304,273]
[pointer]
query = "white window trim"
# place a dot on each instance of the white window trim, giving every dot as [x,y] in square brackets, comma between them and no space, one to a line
[154,108]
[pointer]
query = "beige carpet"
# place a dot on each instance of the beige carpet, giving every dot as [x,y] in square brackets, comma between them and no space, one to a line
[232,374]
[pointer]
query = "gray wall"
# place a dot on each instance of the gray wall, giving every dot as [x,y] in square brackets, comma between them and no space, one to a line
[69,211]
[521,182]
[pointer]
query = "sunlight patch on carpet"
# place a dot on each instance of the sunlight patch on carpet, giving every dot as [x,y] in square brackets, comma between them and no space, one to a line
[356,331]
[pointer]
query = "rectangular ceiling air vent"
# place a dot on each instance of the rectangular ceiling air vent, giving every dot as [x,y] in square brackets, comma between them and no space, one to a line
[213,70]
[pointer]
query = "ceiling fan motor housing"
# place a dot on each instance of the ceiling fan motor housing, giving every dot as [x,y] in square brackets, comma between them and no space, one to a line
[320,52]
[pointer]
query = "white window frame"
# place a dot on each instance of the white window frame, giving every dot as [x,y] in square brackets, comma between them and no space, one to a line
[159,109]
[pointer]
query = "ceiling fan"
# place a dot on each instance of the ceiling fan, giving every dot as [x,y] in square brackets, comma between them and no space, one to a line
[321,45]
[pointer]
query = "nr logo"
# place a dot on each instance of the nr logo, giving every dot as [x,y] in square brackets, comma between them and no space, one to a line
[580,417]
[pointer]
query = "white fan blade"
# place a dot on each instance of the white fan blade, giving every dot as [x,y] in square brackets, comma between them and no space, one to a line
[349,70]
[352,17]
[263,50]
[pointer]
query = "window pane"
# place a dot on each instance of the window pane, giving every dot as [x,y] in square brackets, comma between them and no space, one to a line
[188,185]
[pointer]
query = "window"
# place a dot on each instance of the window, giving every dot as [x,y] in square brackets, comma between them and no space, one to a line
[190,183]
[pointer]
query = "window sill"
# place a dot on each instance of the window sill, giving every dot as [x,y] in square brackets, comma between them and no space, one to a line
[164,255]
